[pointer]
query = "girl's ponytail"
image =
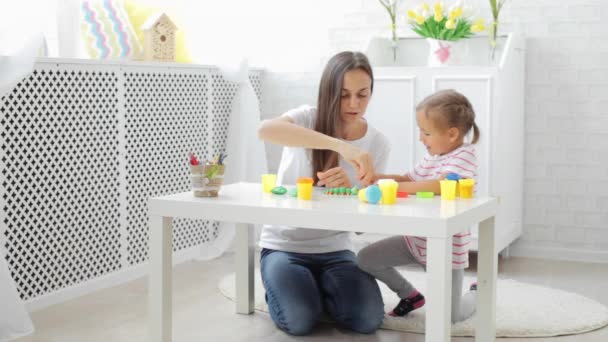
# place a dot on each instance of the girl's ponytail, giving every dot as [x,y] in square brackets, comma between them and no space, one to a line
[475,133]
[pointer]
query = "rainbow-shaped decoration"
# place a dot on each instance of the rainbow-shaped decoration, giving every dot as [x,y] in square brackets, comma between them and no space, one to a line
[107,32]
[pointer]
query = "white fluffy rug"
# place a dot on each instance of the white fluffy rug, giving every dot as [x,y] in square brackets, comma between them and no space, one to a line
[523,310]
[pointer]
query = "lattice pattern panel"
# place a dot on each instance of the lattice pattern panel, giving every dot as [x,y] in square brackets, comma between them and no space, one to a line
[59,149]
[223,93]
[167,117]
[82,149]
[256,82]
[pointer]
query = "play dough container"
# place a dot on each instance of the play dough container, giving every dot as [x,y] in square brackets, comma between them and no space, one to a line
[389,190]
[304,186]
[467,187]
[448,189]
[269,181]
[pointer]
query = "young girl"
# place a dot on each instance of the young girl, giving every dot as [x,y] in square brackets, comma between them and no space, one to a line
[308,271]
[444,119]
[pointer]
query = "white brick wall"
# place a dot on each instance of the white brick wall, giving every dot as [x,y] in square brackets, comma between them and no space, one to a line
[566,131]
[566,171]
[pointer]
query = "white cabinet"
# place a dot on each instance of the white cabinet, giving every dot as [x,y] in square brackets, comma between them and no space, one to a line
[496,91]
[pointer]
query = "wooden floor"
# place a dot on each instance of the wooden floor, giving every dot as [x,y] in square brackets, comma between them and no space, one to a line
[201,313]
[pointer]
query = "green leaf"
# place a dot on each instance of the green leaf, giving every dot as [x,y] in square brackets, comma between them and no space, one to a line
[437,30]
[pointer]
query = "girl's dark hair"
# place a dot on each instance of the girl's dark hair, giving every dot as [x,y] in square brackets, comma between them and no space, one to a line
[329,100]
[451,109]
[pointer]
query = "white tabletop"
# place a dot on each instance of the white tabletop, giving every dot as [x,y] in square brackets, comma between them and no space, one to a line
[245,202]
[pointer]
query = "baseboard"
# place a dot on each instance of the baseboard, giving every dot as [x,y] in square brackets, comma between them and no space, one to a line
[523,249]
[105,281]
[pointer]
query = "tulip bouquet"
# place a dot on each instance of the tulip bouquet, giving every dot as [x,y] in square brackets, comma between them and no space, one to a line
[439,23]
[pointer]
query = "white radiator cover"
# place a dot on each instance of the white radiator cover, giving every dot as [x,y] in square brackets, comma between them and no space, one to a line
[84,144]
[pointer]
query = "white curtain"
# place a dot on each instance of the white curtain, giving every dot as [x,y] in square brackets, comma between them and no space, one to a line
[246,160]
[15,63]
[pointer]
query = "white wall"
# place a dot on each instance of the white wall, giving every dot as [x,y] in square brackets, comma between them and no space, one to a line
[566,170]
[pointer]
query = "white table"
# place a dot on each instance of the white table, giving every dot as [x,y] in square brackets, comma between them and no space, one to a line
[245,203]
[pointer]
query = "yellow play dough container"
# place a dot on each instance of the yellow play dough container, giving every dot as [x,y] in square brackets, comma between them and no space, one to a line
[467,188]
[448,189]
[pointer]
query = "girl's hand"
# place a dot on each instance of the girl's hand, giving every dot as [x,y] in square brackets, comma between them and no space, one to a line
[360,160]
[334,177]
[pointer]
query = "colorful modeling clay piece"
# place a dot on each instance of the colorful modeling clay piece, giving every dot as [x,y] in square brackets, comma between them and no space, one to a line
[425,194]
[279,190]
[373,194]
[401,194]
[452,176]
[361,194]
[342,191]
[293,192]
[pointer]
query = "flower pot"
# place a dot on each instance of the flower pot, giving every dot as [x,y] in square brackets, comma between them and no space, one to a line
[444,52]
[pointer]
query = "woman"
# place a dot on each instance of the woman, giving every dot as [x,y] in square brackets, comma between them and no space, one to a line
[308,271]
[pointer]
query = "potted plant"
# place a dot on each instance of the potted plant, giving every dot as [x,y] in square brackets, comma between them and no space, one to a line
[443,28]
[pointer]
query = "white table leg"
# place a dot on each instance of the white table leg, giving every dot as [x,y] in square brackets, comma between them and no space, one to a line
[244,268]
[487,265]
[439,283]
[159,283]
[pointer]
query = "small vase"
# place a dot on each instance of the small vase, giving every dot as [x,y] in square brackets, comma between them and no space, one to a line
[444,52]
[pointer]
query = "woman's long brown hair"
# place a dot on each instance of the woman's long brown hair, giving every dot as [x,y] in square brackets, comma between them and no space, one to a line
[329,100]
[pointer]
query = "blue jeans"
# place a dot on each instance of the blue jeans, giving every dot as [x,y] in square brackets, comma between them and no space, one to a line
[299,287]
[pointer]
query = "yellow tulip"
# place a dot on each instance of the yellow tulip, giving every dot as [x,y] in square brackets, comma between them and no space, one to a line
[456,13]
[425,7]
[411,14]
[450,24]
[478,26]
[438,12]
[420,19]
[438,7]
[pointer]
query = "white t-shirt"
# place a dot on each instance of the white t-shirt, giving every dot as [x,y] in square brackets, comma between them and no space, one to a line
[296,162]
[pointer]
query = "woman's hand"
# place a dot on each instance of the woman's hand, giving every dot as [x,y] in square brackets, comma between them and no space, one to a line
[333,178]
[360,160]
[370,179]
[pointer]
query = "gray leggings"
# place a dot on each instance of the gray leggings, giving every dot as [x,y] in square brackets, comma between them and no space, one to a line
[380,258]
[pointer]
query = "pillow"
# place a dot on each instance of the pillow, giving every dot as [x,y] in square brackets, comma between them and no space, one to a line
[139,12]
[106,30]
